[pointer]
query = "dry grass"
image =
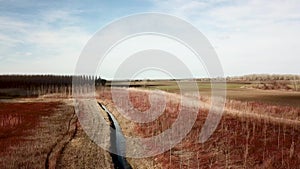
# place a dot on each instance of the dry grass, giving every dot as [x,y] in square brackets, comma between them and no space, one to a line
[250,135]
[82,152]
[42,124]
[44,133]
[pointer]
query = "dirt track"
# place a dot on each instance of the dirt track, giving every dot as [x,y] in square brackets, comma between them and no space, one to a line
[49,136]
[54,156]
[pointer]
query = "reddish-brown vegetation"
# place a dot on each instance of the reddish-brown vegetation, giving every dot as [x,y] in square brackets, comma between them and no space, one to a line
[16,119]
[37,138]
[237,143]
[249,135]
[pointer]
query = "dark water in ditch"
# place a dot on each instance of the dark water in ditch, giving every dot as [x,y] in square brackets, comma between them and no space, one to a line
[118,142]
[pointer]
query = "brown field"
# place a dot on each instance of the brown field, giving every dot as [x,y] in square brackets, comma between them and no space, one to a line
[236,90]
[251,134]
[259,128]
[44,133]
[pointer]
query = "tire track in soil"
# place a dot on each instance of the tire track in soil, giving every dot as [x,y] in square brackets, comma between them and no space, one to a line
[56,150]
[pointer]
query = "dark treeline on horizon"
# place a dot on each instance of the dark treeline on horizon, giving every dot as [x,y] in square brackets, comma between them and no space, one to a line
[20,81]
[35,85]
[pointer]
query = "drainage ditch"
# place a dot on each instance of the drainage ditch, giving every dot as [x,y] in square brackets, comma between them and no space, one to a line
[117,142]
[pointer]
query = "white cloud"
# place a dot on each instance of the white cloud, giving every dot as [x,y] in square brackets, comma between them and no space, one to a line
[249,36]
[66,16]
[38,46]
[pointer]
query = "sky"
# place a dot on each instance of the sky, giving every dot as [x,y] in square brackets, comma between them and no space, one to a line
[47,37]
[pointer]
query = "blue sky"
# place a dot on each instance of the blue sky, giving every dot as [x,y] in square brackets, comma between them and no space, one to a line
[249,36]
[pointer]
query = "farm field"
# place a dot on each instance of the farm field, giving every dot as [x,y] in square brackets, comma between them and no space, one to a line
[236,90]
[45,133]
[258,129]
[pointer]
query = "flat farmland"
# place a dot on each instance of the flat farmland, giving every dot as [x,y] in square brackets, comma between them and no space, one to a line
[235,90]
[259,127]
[45,133]
[251,134]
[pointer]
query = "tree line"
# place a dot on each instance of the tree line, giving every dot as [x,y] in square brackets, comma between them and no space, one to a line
[42,84]
[265,77]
